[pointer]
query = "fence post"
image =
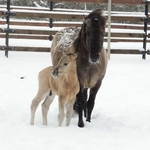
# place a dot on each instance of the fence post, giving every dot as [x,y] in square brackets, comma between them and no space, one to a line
[7,33]
[145,30]
[51,20]
[109,28]
[85,7]
[7,30]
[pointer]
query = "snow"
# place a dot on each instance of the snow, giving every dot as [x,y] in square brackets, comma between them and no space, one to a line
[126,45]
[31,27]
[3,9]
[63,22]
[24,20]
[66,37]
[128,15]
[36,4]
[27,43]
[125,31]
[48,12]
[41,21]
[125,24]
[120,120]
[24,7]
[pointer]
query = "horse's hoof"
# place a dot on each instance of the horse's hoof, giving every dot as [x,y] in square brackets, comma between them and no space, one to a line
[88,120]
[81,124]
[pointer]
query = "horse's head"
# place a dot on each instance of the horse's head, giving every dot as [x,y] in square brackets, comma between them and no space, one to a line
[64,64]
[93,33]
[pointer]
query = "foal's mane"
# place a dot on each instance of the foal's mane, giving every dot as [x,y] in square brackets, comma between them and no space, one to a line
[98,21]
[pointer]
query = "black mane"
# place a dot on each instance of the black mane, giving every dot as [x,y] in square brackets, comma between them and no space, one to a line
[80,42]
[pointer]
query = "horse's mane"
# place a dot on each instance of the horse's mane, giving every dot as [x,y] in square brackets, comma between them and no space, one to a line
[80,42]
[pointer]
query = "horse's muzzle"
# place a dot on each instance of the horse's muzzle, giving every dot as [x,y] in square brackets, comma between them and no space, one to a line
[94,59]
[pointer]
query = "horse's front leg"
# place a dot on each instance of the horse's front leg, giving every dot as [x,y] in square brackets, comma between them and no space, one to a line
[80,106]
[91,101]
[85,101]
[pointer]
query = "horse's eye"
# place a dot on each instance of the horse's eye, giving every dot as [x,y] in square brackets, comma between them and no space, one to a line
[65,64]
[88,33]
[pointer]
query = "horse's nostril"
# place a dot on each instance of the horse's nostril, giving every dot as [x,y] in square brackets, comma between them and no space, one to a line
[94,60]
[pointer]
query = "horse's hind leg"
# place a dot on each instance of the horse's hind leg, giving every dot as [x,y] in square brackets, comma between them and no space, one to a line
[45,106]
[69,108]
[91,101]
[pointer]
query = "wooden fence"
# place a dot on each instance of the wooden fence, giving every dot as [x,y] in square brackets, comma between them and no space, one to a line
[18,27]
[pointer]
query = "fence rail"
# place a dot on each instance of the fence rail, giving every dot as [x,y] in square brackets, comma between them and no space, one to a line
[39,23]
[40,30]
[138,2]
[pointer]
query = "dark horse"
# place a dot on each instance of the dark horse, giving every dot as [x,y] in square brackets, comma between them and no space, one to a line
[91,60]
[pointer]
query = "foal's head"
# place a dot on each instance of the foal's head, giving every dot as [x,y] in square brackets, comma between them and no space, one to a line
[65,63]
[93,33]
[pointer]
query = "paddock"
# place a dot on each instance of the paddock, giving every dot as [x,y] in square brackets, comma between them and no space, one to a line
[121,118]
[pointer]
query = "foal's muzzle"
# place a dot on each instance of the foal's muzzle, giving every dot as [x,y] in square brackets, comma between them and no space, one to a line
[55,72]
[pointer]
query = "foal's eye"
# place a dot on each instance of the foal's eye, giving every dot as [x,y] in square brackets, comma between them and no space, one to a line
[65,64]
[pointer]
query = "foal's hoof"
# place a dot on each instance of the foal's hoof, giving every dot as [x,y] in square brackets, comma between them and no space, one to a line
[81,124]
[31,124]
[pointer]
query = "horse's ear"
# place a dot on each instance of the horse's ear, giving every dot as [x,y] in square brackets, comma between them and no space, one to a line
[64,53]
[83,17]
[105,19]
[75,55]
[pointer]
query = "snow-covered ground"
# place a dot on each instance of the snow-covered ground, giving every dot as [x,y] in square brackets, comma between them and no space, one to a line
[120,120]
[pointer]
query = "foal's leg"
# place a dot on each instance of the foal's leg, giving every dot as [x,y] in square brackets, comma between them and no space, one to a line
[35,102]
[69,111]
[45,106]
[61,114]
[91,101]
